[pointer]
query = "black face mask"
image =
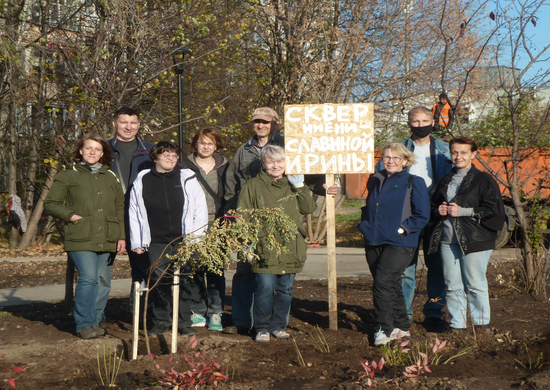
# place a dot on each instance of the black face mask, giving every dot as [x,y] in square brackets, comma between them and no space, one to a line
[422,132]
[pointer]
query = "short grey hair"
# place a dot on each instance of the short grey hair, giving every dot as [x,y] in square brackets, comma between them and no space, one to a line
[272,152]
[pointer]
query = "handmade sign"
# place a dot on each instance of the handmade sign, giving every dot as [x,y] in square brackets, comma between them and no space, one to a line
[329,138]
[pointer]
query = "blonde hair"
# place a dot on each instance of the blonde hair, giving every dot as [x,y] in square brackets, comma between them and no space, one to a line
[400,149]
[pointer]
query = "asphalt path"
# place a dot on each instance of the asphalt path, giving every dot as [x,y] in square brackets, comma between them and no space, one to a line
[349,262]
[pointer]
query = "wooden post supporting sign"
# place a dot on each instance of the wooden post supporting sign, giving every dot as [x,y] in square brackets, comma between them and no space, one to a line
[329,139]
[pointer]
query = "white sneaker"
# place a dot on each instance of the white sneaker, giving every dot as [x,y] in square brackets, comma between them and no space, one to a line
[262,337]
[198,320]
[280,334]
[380,338]
[399,334]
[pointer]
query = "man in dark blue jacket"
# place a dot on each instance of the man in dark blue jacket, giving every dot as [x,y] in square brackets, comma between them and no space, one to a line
[131,155]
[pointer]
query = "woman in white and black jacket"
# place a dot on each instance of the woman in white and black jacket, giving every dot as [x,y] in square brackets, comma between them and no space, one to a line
[165,204]
[467,213]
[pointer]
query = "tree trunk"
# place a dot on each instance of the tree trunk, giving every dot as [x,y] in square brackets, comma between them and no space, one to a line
[12,168]
[32,225]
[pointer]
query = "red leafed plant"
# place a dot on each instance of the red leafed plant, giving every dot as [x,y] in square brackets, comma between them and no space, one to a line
[420,367]
[370,370]
[11,381]
[200,370]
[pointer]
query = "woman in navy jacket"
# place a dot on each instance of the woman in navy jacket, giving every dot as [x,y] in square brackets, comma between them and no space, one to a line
[397,209]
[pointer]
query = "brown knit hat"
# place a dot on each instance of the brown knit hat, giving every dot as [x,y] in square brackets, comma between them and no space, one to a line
[265,113]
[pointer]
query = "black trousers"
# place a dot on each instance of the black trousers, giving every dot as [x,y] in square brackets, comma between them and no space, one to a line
[161,307]
[387,263]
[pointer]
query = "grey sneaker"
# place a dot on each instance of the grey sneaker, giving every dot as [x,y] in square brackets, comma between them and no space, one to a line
[398,334]
[88,333]
[380,338]
[100,331]
[262,337]
[198,320]
[280,334]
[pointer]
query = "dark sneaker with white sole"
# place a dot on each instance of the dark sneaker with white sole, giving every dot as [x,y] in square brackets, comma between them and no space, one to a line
[159,328]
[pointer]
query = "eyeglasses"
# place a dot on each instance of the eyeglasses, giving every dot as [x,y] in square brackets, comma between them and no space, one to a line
[395,158]
[207,144]
[169,156]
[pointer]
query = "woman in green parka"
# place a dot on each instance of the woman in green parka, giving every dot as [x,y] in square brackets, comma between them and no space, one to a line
[89,198]
[275,273]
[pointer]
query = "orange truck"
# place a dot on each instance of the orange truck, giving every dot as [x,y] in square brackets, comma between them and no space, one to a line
[534,167]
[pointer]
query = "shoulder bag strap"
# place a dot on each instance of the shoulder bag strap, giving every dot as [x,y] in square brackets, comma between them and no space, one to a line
[207,187]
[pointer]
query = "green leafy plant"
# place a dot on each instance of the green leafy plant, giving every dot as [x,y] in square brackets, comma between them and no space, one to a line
[239,233]
[110,366]
[200,372]
[11,381]
[370,370]
[317,340]
[396,354]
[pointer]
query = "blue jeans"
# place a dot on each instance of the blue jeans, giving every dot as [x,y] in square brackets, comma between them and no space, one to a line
[435,284]
[272,300]
[242,299]
[467,289]
[89,265]
[104,289]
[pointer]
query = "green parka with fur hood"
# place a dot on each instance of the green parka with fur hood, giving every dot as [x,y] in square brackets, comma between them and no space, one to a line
[97,198]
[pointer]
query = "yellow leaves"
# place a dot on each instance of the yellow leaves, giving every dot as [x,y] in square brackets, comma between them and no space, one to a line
[53,163]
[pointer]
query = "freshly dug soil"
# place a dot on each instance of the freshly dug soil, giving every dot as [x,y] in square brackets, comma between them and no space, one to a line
[513,353]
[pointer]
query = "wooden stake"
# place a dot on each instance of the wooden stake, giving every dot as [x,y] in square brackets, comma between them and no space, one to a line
[135,336]
[175,310]
[331,257]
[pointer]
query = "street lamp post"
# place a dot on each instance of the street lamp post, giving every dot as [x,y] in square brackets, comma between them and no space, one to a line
[178,56]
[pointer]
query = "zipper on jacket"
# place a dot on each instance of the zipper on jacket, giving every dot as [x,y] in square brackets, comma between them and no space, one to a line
[167,203]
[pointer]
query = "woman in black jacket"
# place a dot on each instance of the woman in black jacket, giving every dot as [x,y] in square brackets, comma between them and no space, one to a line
[468,211]
[210,168]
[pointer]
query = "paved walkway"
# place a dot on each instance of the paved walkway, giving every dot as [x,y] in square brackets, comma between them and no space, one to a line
[349,262]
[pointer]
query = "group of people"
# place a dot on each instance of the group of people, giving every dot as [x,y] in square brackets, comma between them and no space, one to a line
[126,194]
[451,210]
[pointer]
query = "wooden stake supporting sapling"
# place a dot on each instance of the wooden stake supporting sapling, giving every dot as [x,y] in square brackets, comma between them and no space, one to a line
[175,310]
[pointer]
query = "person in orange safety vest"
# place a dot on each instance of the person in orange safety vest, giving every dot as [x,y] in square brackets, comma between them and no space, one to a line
[443,112]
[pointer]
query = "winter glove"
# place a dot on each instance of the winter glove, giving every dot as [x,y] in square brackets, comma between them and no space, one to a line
[296,180]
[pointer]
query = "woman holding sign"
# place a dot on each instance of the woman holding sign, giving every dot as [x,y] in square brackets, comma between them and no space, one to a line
[274,273]
[397,209]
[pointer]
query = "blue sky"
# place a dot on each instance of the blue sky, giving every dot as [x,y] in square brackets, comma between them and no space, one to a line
[540,37]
